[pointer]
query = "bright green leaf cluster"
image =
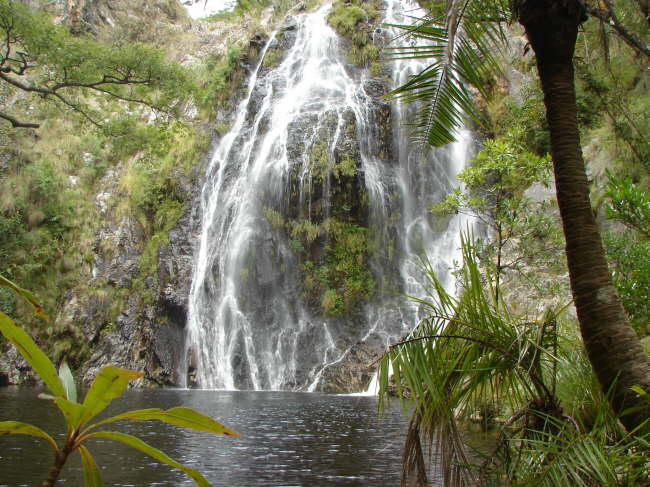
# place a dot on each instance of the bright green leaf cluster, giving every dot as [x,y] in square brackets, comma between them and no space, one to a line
[109,384]
[629,203]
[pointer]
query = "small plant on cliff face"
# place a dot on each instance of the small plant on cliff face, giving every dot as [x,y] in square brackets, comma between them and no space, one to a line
[109,384]
[355,20]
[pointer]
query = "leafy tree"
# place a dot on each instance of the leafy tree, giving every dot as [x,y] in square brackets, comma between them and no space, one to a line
[628,254]
[630,204]
[110,383]
[493,192]
[472,360]
[461,43]
[44,60]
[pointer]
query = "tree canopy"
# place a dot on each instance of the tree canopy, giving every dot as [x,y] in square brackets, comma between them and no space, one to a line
[43,59]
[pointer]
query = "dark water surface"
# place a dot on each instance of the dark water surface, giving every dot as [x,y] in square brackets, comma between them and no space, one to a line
[290,439]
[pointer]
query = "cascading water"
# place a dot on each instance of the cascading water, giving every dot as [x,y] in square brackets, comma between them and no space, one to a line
[305,162]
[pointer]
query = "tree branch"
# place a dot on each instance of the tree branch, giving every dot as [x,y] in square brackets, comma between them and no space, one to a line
[611,19]
[18,124]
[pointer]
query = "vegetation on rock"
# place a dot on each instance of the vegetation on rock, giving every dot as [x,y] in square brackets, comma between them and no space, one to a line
[68,189]
[46,61]
[356,20]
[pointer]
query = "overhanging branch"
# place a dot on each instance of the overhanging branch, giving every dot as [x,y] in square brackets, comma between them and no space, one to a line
[610,18]
[17,123]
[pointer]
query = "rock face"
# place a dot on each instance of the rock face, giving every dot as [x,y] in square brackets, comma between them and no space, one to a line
[139,329]
[14,369]
[124,317]
[355,372]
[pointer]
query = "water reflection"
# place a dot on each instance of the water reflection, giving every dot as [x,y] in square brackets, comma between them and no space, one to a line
[290,439]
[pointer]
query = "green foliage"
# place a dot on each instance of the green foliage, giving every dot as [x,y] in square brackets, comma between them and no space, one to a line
[462,49]
[502,170]
[274,217]
[7,303]
[629,204]
[242,7]
[628,253]
[343,278]
[332,303]
[170,151]
[217,78]
[470,355]
[612,103]
[493,192]
[344,18]
[527,114]
[272,58]
[630,267]
[322,164]
[110,384]
[63,67]
[340,279]
[356,21]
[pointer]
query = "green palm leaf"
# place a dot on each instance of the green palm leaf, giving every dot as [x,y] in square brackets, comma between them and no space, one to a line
[32,354]
[26,295]
[461,44]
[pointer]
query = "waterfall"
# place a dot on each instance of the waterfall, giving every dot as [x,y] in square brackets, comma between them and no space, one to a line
[307,160]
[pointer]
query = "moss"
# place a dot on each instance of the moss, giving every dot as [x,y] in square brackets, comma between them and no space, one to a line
[345,18]
[274,217]
[332,303]
[355,20]
[272,58]
[304,230]
[340,280]
[319,161]
[347,167]
[217,79]
[222,128]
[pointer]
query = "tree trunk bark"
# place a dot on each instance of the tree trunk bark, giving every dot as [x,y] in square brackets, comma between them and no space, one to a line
[614,350]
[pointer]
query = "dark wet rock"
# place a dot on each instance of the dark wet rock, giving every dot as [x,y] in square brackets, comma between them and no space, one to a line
[86,311]
[147,333]
[117,251]
[354,372]
[14,369]
[290,24]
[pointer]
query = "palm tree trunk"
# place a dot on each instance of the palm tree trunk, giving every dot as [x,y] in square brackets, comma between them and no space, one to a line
[614,350]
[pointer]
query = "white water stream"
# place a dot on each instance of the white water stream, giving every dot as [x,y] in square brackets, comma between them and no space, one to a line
[248,326]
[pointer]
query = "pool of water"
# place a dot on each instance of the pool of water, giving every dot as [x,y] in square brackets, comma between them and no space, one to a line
[289,439]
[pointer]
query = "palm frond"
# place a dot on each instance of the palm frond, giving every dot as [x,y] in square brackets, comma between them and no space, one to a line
[468,355]
[461,45]
[565,455]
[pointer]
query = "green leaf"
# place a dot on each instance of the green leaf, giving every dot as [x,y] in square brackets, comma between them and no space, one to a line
[68,382]
[26,295]
[92,475]
[179,416]
[18,428]
[109,384]
[138,444]
[32,354]
[72,412]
